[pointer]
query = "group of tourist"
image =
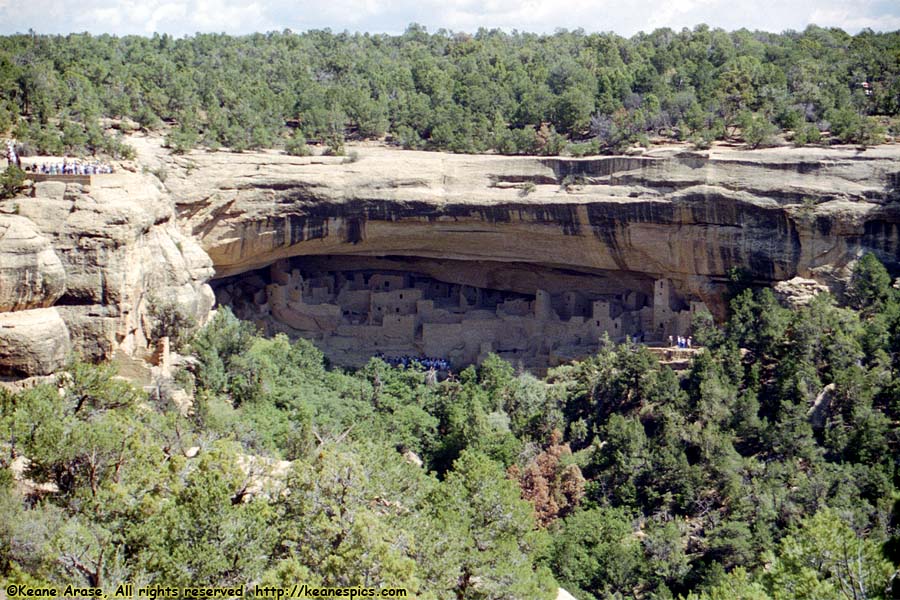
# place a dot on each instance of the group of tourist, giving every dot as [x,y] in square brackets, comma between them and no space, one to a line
[681,341]
[426,362]
[70,168]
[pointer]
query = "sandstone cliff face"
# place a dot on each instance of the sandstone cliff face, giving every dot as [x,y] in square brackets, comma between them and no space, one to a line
[686,216]
[96,254]
[79,264]
[31,274]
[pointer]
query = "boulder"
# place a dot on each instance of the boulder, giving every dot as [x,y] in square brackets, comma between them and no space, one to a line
[798,291]
[33,342]
[50,189]
[31,274]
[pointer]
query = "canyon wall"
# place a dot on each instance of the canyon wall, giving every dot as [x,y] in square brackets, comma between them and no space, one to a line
[607,229]
[685,216]
[604,230]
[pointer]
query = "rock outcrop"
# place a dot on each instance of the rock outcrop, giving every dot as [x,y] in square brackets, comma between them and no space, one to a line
[33,342]
[798,291]
[689,217]
[598,232]
[31,274]
[97,254]
[565,233]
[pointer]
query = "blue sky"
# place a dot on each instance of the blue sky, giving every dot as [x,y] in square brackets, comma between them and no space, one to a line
[626,17]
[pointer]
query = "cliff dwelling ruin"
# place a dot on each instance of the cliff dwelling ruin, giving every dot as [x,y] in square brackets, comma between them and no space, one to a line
[534,316]
[490,253]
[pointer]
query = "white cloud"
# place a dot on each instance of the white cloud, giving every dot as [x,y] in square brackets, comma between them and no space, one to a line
[674,12]
[229,16]
[623,16]
[851,19]
[344,14]
[164,13]
[108,17]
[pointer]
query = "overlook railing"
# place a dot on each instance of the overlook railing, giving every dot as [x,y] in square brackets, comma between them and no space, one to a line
[82,179]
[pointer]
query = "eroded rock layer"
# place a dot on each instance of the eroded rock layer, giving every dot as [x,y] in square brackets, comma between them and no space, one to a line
[31,274]
[682,216]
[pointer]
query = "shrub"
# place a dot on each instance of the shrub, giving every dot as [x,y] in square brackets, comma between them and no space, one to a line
[549,142]
[894,128]
[703,139]
[790,118]
[12,181]
[527,188]
[584,149]
[116,147]
[168,319]
[757,129]
[181,140]
[161,173]
[850,127]
[335,143]
[296,145]
[807,133]
[408,138]
[571,181]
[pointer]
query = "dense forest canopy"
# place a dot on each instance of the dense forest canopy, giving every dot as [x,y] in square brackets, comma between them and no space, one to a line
[767,471]
[508,92]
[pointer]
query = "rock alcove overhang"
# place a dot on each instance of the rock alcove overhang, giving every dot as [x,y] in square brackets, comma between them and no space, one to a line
[691,218]
[691,242]
[534,315]
[514,277]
